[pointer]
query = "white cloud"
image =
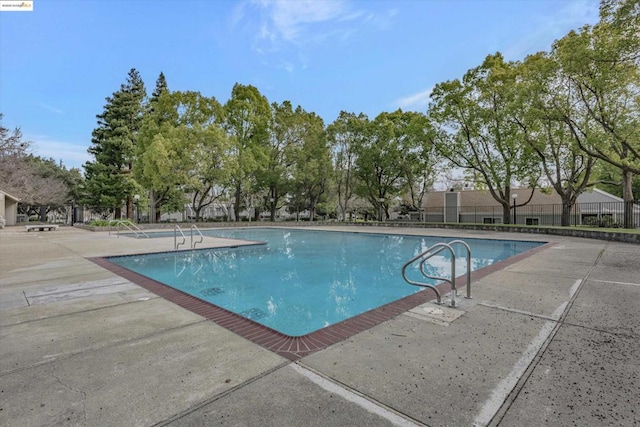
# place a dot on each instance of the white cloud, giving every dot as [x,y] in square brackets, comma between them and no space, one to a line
[416,102]
[237,14]
[289,20]
[291,28]
[72,155]
[51,108]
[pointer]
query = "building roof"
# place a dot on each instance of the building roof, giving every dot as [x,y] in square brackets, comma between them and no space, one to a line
[10,196]
[483,198]
[595,195]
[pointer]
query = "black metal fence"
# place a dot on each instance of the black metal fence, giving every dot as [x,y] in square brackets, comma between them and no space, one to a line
[596,214]
[609,214]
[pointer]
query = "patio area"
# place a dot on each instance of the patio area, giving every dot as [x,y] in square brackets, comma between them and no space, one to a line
[551,339]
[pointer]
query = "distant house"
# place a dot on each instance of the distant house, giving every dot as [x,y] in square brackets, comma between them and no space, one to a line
[593,207]
[9,207]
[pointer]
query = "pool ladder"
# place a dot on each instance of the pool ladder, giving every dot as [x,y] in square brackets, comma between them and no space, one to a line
[118,224]
[431,252]
[177,230]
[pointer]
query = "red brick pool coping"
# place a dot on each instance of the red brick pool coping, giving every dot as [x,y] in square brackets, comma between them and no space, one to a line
[295,348]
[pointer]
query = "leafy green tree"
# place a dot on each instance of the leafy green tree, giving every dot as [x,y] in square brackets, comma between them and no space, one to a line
[609,179]
[344,135]
[209,148]
[182,150]
[284,140]
[474,128]
[602,63]
[247,115]
[312,169]
[542,103]
[380,158]
[411,130]
[109,178]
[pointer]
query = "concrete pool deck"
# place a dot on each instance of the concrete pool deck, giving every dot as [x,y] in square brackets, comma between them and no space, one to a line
[552,339]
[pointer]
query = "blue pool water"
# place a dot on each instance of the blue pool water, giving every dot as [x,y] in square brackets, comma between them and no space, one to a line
[303,280]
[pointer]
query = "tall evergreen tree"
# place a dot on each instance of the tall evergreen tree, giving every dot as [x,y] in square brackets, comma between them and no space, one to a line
[156,116]
[161,87]
[109,179]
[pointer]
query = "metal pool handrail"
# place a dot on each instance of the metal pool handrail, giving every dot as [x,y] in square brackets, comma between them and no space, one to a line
[177,230]
[423,257]
[468,274]
[431,252]
[193,244]
[128,225]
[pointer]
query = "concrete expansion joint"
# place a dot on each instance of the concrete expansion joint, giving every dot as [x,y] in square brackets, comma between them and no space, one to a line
[367,403]
[219,396]
[629,335]
[89,310]
[60,357]
[551,318]
[495,409]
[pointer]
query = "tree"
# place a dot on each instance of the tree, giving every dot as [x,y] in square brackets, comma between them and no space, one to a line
[42,184]
[15,172]
[161,87]
[344,134]
[542,102]
[246,121]
[412,131]
[162,193]
[50,187]
[313,161]
[380,159]
[609,179]
[109,178]
[602,66]
[182,150]
[285,138]
[474,129]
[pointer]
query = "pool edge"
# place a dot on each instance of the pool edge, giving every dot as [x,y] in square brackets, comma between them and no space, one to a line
[294,348]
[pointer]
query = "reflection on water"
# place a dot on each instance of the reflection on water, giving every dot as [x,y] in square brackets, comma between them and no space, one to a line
[304,280]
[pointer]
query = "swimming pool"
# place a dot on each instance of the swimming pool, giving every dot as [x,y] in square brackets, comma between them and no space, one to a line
[301,281]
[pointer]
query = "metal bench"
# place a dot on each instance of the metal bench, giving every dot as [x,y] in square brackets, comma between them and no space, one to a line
[42,227]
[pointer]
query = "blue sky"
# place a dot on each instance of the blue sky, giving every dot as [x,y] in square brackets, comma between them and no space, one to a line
[59,62]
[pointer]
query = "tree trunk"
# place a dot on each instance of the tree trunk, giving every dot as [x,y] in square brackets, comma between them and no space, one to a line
[152,207]
[627,196]
[236,203]
[129,209]
[43,214]
[312,209]
[506,213]
[565,217]
[273,211]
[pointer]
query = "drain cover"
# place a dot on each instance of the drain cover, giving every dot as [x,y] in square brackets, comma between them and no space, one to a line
[253,313]
[211,291]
